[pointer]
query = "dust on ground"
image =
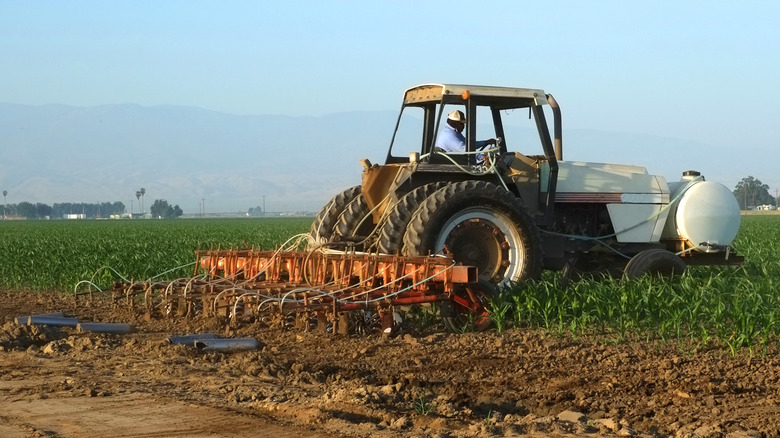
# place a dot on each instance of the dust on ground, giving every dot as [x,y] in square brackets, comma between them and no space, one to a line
[56,382]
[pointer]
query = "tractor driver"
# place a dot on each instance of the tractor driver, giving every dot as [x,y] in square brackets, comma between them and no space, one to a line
[451,137]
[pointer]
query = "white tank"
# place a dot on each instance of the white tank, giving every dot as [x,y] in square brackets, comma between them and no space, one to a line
[705,213]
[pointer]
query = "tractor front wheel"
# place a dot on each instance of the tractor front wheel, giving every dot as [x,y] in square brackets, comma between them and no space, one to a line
[655,262]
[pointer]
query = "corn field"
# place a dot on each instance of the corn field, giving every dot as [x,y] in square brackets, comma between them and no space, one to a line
[728,307]
[56,255]
[732,308]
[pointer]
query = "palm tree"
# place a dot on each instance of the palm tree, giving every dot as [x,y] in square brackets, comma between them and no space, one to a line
[138,196]
[5,193]
[143,192]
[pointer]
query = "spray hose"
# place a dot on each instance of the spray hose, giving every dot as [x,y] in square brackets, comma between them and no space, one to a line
[652,217]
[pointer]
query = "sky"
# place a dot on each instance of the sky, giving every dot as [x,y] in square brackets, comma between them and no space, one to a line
[706,71]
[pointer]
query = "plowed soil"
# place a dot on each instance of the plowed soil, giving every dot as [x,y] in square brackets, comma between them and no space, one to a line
[57,382]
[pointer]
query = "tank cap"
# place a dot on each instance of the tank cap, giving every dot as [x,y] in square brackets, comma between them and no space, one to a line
[691,173]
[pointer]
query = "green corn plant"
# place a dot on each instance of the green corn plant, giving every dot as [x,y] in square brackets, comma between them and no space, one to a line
[422,406]
[498,308]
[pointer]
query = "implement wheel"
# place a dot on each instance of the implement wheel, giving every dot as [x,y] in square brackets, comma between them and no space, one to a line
[469,307]
[482,225]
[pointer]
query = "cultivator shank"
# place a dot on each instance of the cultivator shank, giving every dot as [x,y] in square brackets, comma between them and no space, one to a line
[312,286]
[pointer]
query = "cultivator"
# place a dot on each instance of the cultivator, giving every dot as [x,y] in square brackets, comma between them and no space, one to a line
[315,289]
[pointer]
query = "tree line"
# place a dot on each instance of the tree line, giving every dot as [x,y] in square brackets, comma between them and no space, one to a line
[162,210]
[751,192]
[29,210]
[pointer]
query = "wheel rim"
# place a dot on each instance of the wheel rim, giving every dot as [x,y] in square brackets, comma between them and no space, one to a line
[485,239]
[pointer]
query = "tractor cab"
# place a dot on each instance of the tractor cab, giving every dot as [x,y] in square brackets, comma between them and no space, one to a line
[523,159]
[513,115]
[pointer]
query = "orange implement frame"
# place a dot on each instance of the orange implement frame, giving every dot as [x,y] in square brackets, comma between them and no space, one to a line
[249,283]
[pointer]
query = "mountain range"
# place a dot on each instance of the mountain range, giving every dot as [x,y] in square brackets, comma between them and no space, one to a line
[195,157]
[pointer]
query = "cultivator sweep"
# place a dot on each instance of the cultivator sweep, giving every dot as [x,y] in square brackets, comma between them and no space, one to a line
[313,289]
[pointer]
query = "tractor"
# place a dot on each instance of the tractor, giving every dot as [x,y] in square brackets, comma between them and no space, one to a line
[516,207]
[437,225]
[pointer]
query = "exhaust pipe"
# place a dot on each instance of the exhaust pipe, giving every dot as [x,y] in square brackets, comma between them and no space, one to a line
[557,134]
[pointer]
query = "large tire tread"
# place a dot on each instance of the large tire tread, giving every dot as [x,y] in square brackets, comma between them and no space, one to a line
[323,227]
[355,220]
[391,237]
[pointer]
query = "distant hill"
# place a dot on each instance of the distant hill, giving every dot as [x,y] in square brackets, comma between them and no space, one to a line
[57,153]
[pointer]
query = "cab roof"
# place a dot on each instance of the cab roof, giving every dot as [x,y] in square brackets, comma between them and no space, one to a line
[430,93]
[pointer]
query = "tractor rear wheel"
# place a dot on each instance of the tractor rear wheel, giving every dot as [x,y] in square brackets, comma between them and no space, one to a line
[355,224]
[391,238]
[656,262]
[481,225]
[324,224]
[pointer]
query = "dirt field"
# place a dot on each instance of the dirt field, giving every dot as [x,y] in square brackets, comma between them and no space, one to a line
[55,382]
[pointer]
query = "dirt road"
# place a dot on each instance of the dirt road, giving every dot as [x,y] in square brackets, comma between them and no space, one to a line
[58,382]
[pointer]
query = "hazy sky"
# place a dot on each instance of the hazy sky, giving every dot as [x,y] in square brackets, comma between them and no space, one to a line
[699,70]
